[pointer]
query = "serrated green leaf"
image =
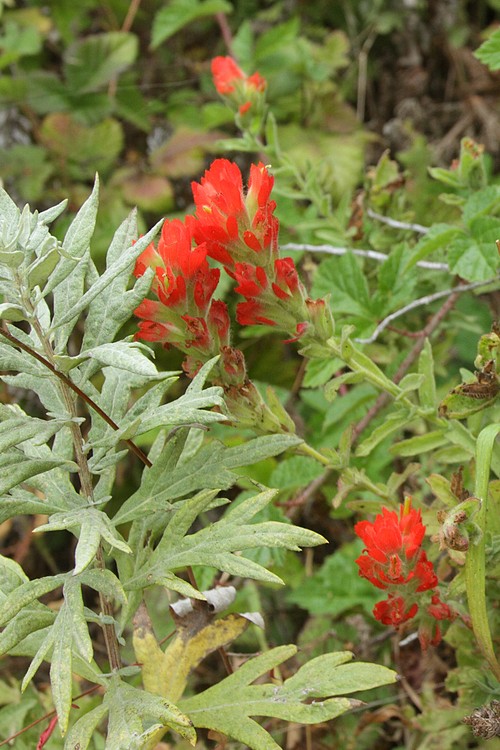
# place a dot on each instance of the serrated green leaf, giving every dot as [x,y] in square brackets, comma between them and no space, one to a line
[296,471]
[335,588]
[476,258]
[179,13]
[343,279]
[489,51]
[485,202]
[92,62]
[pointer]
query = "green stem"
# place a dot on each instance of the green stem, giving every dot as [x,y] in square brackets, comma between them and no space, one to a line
[308,450]
[475,563]
[357,361]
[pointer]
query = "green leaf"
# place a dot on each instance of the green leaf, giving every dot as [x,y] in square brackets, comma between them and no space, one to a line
[489,51]
[336,587]
[294,472]
[438,237]
[165,482]
[216,544]
[420,443]
[92,62]
[476,258]
[392,423]
[124,356]
[130,714]
[485,202]
[124,263]
[26,593]
[67,281]
[67,638]
[93,525]
[258,449]
[15,468]
[427,389]
[228,706]
[81,733]
[343,279]
[16,427]
[109,311]
[178,13]
[105,582]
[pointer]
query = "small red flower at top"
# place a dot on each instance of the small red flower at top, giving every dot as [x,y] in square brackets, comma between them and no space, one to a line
[232,82]
[394,561]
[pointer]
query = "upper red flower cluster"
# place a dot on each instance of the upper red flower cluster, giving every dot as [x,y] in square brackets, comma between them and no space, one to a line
[231,81]
[393,560]
[240,230]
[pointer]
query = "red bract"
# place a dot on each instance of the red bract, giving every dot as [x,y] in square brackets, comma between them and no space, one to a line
[394,561]
[183,278]
[391,534]
[231,225]
[184,315]
[393,611]
[227,75]
[231,82]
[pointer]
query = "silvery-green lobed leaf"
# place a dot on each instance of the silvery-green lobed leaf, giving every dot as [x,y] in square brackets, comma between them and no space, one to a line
[68,279]
[216,544]
[131,712]
[125,262]
[228,706]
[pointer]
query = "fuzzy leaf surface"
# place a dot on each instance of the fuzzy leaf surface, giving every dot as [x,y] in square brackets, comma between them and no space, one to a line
[228,706]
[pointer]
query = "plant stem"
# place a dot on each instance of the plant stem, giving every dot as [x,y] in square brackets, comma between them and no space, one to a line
[86,484]
[67,381]
[475,562]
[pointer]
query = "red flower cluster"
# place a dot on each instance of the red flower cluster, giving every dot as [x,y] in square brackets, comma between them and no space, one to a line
[231,81]
[394,561]
[185,314]
[240,230]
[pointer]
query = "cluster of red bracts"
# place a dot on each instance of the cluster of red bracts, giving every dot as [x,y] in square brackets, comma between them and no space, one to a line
[239,230]
[393,560]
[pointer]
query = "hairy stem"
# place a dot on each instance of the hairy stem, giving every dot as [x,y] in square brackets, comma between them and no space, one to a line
[69,383]
[86,484]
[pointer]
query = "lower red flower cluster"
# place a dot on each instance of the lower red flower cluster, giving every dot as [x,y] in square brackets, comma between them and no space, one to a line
[393,560]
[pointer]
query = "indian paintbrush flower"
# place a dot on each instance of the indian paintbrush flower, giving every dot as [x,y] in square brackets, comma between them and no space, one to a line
[240,231]
[394,561]
[245,92]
